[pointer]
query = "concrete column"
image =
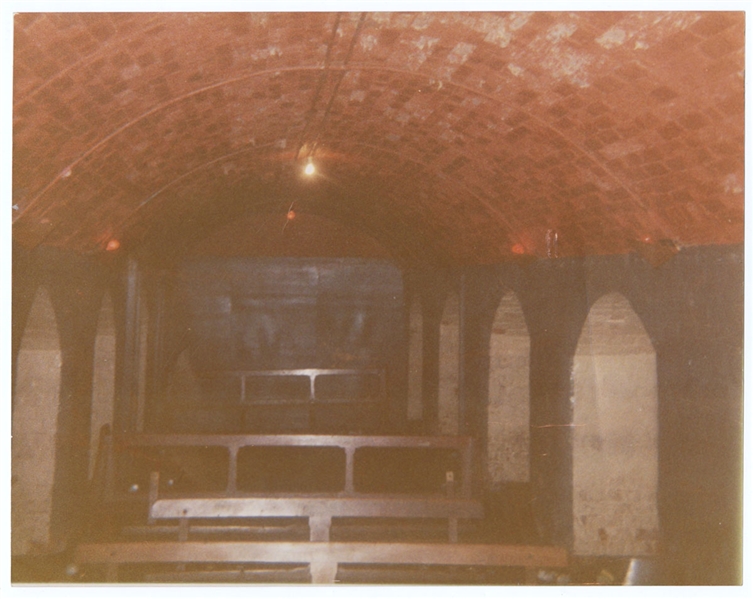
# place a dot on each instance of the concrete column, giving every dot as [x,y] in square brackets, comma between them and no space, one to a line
[130,406]
[143,335]
[415,360]
[103,384]
[449,361]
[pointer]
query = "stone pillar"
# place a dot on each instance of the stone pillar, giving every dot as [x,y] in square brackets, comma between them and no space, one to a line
[103,384]
[130,405]
[142,353]
[449,361]
[415,360]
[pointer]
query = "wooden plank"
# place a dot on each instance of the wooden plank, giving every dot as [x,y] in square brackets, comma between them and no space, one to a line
[282,574]
[361,403]
[307,506]
[344,441]
[341,553]
[309,372]
[145,530]
[347,442]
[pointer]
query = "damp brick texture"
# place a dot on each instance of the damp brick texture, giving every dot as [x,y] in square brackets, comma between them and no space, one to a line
[451,136]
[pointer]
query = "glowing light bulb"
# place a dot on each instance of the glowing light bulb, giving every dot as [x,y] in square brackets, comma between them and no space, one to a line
[310,169]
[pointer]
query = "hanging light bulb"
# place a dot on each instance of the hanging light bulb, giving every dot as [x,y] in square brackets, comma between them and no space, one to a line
[310,168]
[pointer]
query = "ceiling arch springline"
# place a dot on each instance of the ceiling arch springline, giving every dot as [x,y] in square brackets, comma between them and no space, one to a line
[272,72]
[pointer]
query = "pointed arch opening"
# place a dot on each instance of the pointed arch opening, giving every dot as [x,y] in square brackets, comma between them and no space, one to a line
[615,434]
[34,430]
[508,409]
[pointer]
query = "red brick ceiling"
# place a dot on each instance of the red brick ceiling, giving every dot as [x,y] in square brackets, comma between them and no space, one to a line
[459,138]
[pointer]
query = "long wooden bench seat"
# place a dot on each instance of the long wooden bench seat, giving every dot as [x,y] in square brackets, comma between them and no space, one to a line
[322,558]
[318,508]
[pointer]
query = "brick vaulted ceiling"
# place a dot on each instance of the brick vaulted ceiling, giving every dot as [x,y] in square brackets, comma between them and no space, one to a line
[455,138]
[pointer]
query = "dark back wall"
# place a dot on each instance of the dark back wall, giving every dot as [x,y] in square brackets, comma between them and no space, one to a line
[245,314]
[253,314]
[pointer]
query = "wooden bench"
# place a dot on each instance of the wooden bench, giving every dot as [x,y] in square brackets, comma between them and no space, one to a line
[323,558]
[348,443]
[312,374]
[319,508]
[294,400]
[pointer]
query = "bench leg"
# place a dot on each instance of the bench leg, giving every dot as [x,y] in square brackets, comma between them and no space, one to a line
[319,528]
[323,571]
[183,529]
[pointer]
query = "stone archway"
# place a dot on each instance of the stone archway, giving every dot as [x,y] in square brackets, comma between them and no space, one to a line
[615,434]
[508,410]
[34,430]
